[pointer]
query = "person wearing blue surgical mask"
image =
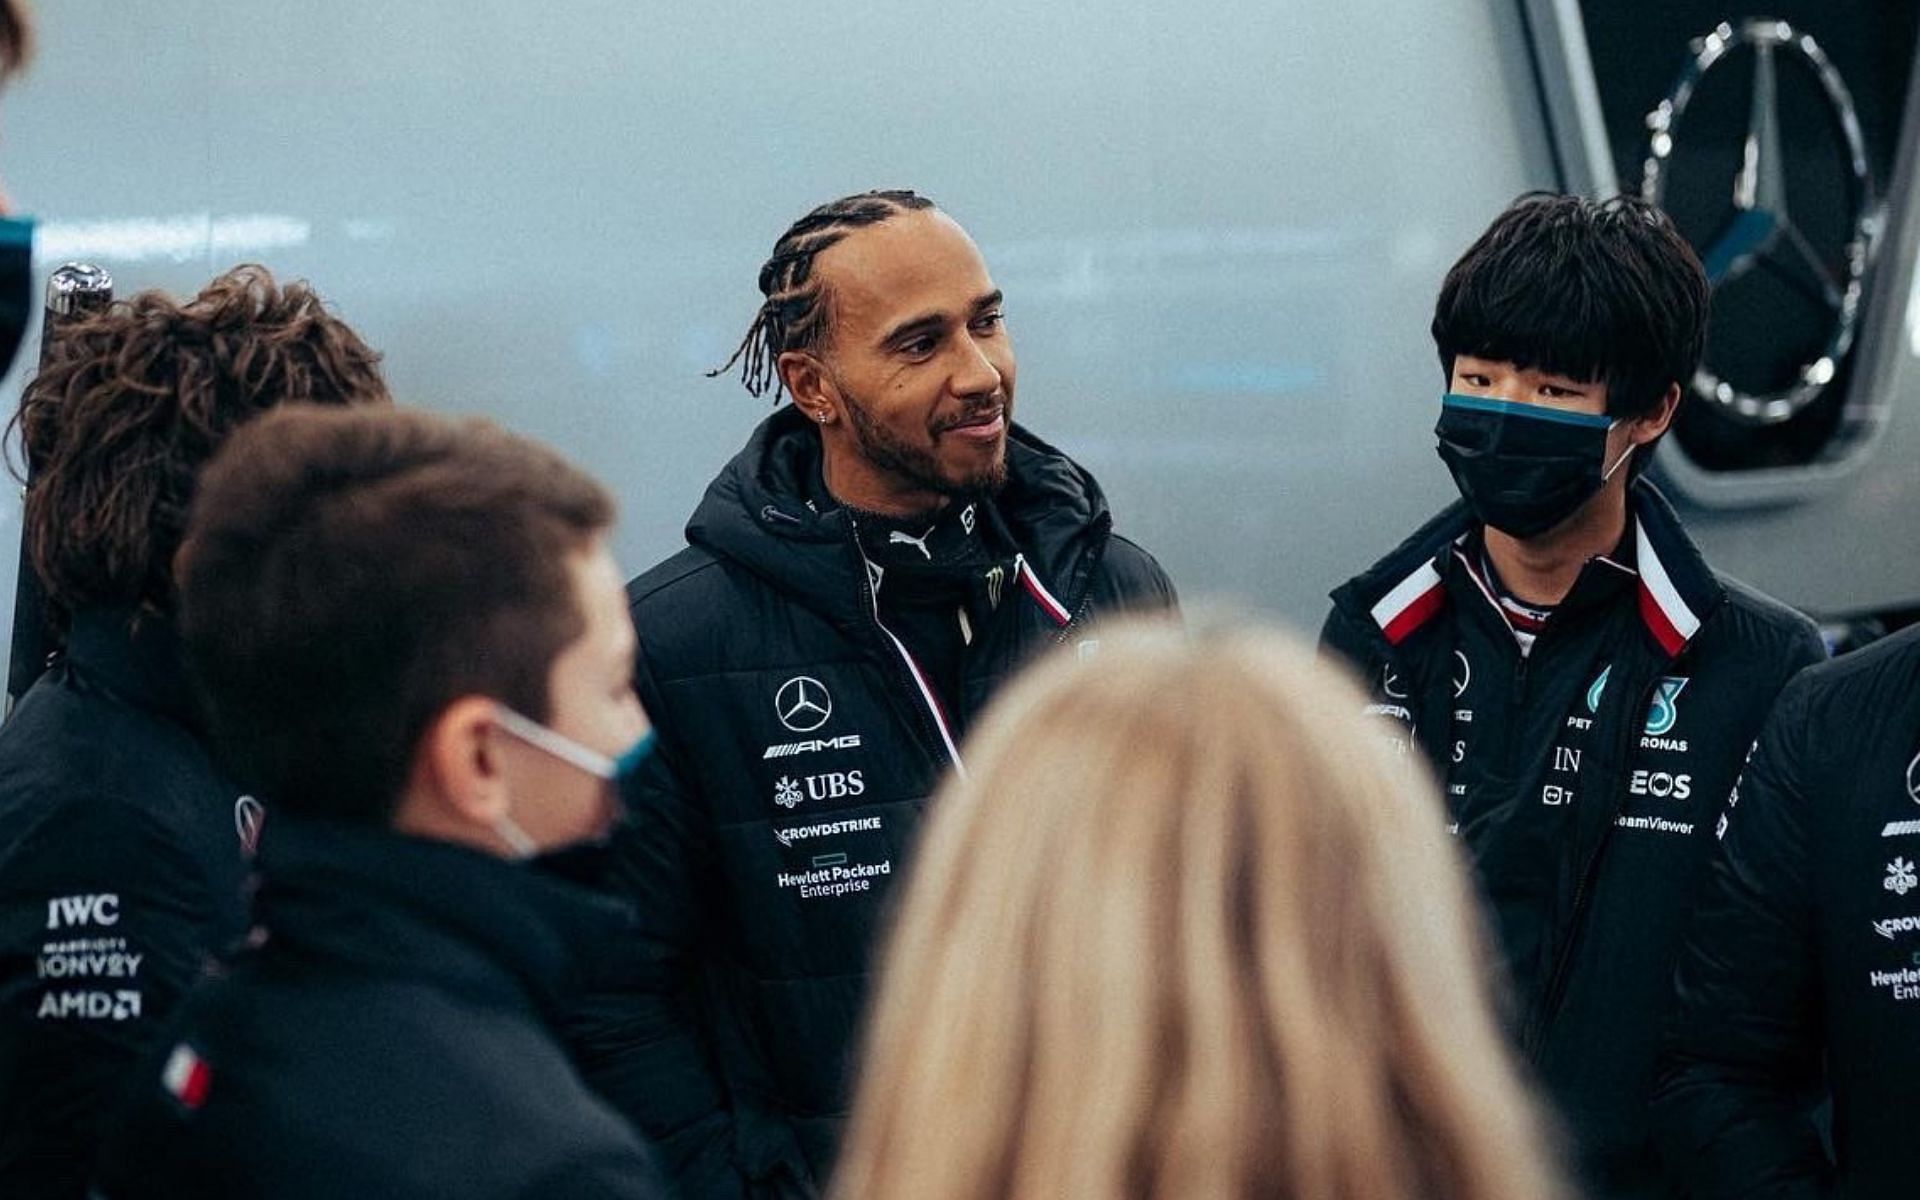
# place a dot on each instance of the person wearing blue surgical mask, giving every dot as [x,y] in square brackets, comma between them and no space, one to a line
[414,647]
[1557,648]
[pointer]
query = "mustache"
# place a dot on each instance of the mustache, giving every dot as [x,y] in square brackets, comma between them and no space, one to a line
[974,411]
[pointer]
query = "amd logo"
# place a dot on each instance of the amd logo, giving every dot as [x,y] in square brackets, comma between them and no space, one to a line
[91,1006]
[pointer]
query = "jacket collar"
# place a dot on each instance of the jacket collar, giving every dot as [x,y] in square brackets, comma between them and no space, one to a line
[409,908]
[137,657]
[757,513]
[1676,593]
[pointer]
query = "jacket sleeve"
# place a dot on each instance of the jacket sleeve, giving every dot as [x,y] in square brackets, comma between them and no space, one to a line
[105,922]
[603,1177]
[1348,644]
[1742,1066]
[638,1037]
[1133,581]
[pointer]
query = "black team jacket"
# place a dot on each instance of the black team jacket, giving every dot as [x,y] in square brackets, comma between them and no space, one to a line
[798,740]
[122,878]
[391,1036]
[1801,975]
[1584,780]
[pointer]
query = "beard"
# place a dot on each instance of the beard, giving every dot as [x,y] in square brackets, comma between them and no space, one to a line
[917,464]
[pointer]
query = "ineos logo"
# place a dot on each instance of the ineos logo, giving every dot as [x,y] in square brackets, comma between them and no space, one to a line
[1661,784]
[803,704]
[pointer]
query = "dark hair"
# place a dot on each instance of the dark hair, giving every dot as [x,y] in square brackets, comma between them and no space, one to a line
[347,575]
[1607,291]
[16,37]
[794,315]
[130,402]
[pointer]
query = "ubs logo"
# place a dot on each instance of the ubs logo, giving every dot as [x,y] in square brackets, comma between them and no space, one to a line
[803,704]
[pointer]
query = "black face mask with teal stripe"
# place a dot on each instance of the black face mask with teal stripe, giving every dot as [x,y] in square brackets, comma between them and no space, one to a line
[1523,468]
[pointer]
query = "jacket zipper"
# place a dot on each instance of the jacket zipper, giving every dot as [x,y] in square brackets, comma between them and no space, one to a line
[1535,1040]
[1078,614]
[930,738]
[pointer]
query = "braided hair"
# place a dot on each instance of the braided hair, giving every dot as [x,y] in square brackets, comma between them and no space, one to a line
[794,314]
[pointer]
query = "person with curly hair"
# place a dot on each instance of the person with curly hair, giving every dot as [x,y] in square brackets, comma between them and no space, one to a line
[122,844]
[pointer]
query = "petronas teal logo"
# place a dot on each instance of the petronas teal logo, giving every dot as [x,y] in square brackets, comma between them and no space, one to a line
[1666,706]
[1664,713]
[1599,687]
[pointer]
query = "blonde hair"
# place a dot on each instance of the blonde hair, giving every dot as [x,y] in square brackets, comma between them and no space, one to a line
[1188,928]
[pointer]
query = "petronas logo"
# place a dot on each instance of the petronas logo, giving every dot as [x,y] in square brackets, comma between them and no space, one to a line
[1661,716]
[1666,706]
[1599,687]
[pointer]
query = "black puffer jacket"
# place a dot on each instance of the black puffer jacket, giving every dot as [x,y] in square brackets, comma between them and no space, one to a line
[1801,976]
[1583,779]
[121,880]
[390,1037]
[797,745]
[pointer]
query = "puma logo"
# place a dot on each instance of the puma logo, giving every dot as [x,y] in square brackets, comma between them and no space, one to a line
[896,538]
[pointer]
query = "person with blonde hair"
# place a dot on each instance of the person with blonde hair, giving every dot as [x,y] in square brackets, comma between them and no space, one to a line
[1187,927]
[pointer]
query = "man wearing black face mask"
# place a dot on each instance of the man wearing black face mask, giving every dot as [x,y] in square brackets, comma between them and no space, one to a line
[1555,645]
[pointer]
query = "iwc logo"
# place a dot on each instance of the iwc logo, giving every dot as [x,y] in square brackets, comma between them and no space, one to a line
[1759,234]
[803,704]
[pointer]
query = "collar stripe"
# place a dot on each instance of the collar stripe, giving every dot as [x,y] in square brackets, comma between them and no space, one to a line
[1485,589]
[187,1076]
[1041,596]
[927,695]
[1667,616]
[1411,604]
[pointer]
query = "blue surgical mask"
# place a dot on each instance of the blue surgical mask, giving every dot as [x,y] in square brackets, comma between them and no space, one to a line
[612,769]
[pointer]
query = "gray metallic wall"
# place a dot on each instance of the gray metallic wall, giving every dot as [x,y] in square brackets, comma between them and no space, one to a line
[1219,230]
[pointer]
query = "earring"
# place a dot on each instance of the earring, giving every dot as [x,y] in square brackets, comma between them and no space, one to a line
[823,416]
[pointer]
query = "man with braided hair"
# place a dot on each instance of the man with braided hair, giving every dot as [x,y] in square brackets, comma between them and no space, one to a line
[122,844]
[884,552]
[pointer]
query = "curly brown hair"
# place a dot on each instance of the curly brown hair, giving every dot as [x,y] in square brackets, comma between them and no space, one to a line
[130,402]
